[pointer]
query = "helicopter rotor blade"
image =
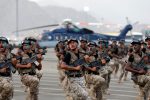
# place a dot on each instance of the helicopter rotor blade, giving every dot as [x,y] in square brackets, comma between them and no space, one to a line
[52,25]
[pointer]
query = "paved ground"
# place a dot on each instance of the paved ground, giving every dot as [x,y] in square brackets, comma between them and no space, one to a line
[50,89]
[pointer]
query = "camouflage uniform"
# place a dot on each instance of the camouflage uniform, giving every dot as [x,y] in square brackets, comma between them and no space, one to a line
[76,85]
[122,52]
[94,80]
[60,53]
[105,71]
[95,83]
[29,79]
[6,86]
[142,80]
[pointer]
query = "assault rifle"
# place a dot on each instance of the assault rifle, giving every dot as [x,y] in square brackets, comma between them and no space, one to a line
[141,64]
[44,51]
[8,64]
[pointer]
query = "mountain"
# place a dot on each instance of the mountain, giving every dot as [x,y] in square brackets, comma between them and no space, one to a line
[32,15]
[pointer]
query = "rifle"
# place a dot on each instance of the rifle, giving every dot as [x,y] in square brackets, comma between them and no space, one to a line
[141,64]
[9,65]
[44,51]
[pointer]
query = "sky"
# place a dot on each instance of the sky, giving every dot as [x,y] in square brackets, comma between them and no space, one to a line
[108,10]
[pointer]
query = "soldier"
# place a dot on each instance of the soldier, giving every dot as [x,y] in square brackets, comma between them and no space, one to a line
[76,88]
[122,52]
[102,52]
[7,63]
[60,50]
[137,67]
[147,40]
[83,47]
[114,51]
[93,79]
[27,70]
[37,50]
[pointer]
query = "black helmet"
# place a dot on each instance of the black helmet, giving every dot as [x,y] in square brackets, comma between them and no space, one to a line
[75,40]
[92,44]
[136,42]
[147,38]
[83,40]
[30,39]
[4,39]
[26,42]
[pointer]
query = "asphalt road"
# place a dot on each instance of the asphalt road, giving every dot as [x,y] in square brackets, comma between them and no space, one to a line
[51,90]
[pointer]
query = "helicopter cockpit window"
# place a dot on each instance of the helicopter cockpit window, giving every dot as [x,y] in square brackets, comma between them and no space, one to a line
[71,27]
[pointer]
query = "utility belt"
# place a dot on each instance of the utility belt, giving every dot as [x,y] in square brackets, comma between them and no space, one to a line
[92,73]
[5,74]
[75,75]
[29,73]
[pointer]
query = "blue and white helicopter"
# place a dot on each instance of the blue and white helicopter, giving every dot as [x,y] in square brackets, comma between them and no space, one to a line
[70,30]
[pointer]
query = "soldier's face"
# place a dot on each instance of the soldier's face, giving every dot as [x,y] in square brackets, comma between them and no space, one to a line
[103,61]
[137,47]
[148,42]
[73,45]
[26,47]
[83,43]
[1,46]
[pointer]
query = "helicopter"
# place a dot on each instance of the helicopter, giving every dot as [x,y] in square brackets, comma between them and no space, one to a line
[69,30]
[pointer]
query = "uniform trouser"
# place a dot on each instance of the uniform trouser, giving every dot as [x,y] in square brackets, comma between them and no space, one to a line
[6,88]
[39,74]
[116,66]
[61,75]
[96,83]
[33,83]
[76,89]
[104,73]
[144,81]
[124,73]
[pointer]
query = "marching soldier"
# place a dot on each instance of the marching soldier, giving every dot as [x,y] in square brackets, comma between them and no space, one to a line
[27,70]
[137,65]
[7,63]
[94,81]
[83,47]
[60,50]
[36,50]
[76,90]
[114,51]
[102,52]
[122,52]
[147,40]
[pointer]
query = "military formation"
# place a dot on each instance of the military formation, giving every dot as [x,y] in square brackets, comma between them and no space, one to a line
[85,67]
[26,62]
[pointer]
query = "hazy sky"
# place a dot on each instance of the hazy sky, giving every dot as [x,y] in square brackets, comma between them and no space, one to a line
[110,10]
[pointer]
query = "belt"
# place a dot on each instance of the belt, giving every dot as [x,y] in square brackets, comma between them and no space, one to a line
[94,73]
[78,75]
[29,73]
[5,75]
